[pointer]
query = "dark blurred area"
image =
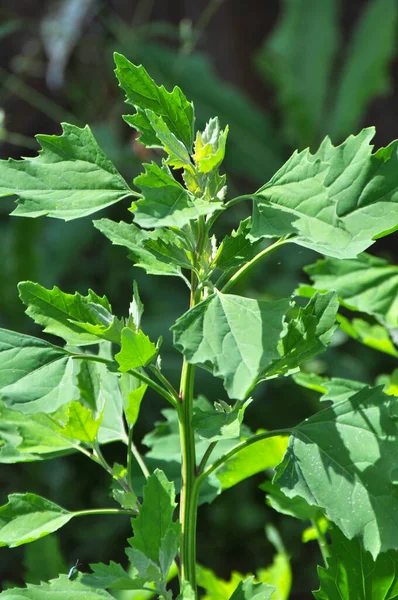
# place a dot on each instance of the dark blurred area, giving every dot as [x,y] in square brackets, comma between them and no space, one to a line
[282,74]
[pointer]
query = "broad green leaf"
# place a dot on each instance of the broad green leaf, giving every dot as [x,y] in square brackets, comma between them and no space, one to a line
[70,178]
[307,334]
[35,376]
[246,341]
[219,422]
[375,336]
[210,146]
[349,447]
[166,202]
[336,201]
[156,535]
[113,577]
[81,424]
[352,574]
[233,336]
[262,455]
[28,517]
[368,284]
[249,590]
[365,69]
[293,507]
[134,399]
[143,93]
[334,390]
[55,590]
[178,154]
[237,248]
[137,350]
[64,314]
[298,57]
[159,252]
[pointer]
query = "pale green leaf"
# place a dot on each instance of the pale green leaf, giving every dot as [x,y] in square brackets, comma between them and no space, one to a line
[353,574]
[349,447]
[57,589]
[215,587]
[365,68]
[35,376]
[249,590]
[134,399]
[336,201]
[70,178]
[375,336]
[143,93]
[166,203]
[219,422]
[298,57]
[65,315]
[137,350]
[210,146]
[233,336]
[81,424]
[259,456]
[159,252]
[28,517]
[368,284]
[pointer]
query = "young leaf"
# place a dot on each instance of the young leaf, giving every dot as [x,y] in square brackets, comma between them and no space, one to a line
[210,146]
[66,315]
[177,151]
[336,201]
[248,590]
[368,284]
[137,350]
[365,69]
[80,424]
[350,568]
[237,248]
[143,93]
[35,376]
[236,337]
[166,202]
[28,517]
[62,587]
[70,178]
[349,447]
[159,252]
[308,334]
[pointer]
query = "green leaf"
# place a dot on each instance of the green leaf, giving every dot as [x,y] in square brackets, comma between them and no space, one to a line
[166,202]
[374,336]
[156,535]
[367,284]
[159,252]
[365,68]
[248,590]
[28,517]
[298,57]
[349,447]
[113,577]
[70,178]
[336,201]
[54,590]
[35,376]
[134,399]
[237,248]
[210,146]
[137,350]
[177,151]
[43,560]
[293,507]
[279,573]
[80,424]
[259,456]
[215,587]
[353,573]
[233,336]
[219,422]
[65,315]
[143,93]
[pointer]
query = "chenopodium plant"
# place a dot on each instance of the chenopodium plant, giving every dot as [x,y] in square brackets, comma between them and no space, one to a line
[337,469]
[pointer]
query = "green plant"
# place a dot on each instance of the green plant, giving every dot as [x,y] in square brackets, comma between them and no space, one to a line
[337,469]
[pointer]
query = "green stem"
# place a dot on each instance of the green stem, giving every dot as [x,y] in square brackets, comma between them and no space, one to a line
[133,451]
[322,543]
[246,267]
[166,383]
[104,511]
[227,205]
[206,457]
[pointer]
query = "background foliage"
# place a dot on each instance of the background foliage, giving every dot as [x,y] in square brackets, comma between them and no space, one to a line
[282,74]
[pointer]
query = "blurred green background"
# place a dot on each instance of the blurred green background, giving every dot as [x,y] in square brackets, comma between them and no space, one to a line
[282,74]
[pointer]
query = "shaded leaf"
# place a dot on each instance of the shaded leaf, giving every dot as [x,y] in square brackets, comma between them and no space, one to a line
[237,248]
[336,201]
[214,424]
[43,560]
[248,590]
[293,507]
[375,336]
[113,577]
[349,447]
[70,178]
[352,573]
[54,590]
[28,517]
